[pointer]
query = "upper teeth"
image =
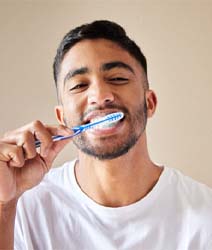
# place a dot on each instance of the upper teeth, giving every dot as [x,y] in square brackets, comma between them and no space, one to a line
[96,119]
[103,124]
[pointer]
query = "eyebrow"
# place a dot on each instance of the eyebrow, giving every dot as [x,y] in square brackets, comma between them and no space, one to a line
[75,72]
[105,67]
[116,64]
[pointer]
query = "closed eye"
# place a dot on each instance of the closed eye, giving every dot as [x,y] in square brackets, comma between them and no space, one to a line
[79,87]
[118,80]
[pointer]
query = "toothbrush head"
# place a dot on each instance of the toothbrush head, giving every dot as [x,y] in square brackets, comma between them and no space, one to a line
[111,118]
[108,119]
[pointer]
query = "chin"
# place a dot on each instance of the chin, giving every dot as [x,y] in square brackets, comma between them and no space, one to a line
[107,149]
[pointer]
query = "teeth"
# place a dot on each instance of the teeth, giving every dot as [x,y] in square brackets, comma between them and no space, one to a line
[96,119]
[106,125]
[107,121]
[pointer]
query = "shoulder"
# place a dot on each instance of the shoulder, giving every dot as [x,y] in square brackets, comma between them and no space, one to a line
[189,187]
[191,202]
[195,196]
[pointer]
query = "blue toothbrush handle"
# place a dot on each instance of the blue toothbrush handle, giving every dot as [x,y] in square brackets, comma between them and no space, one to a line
[79,129]
[59,138]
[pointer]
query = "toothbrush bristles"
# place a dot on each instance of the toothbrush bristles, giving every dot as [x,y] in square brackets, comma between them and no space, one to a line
[107,119]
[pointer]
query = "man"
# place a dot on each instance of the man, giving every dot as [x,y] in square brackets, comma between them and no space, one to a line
[112,196]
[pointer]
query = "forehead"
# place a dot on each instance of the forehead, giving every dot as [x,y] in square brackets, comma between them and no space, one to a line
[93,53]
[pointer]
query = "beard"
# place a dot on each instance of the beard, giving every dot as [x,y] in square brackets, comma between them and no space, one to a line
[111,147]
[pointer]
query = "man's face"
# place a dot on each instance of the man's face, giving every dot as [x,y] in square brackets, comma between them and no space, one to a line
[98,77]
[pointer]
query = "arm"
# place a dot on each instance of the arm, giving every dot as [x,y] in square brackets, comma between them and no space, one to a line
[23,167]
[7,222]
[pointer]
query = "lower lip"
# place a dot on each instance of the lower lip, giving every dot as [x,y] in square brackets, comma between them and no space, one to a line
[106,131]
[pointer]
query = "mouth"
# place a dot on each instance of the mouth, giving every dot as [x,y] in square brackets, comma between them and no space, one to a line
[105,124]
[107,127]
[95,116]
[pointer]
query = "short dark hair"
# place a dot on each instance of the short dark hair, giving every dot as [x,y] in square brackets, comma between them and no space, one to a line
[97,29]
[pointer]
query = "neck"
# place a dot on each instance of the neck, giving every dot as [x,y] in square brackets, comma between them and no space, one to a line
[121,181]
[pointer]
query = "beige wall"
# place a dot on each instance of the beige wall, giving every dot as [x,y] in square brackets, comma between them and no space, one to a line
[176,38]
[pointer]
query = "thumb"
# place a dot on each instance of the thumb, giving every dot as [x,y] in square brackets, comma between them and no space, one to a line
[55,150]
[57,146]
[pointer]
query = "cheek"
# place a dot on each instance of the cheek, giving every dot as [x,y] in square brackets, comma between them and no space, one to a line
[134,97]
[73,111]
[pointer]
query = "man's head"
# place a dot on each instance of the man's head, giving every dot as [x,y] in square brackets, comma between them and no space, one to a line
[98,29]
[97,76]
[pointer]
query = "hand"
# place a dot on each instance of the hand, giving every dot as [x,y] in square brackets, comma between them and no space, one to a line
[21,165]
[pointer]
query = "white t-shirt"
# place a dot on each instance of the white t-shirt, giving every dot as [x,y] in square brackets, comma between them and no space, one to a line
[57,215]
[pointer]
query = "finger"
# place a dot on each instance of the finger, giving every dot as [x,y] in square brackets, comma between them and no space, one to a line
[25,137]
[26,127]
[56,148]
[12,136]
[12,154]
[58,145]
[42,134]
[27,142]
[59,130]
[16,157]
[32,125]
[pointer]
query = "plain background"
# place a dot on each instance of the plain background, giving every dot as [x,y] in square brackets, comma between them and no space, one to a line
[176,38]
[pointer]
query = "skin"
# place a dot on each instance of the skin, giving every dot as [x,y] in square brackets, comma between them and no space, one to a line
[111,182]
[125,179]
[22,167]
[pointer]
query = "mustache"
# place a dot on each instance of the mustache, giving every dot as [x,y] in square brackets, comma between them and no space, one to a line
[107,107]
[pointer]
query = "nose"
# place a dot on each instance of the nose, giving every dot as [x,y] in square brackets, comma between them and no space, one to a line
[100,94]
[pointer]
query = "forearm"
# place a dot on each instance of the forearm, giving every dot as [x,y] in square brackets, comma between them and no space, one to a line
[7,223]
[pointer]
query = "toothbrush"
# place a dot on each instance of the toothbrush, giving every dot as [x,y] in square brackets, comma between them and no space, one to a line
[113,117]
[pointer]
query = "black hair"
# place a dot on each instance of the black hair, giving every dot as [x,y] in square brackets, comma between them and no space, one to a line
[97,29]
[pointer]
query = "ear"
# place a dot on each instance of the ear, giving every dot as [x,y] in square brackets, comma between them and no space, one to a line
[59,114]
[151,101]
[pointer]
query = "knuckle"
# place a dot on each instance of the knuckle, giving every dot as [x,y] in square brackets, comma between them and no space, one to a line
[21,162]
[36,124]
[18,150]
[49,138]
[31,155]
[26,135]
